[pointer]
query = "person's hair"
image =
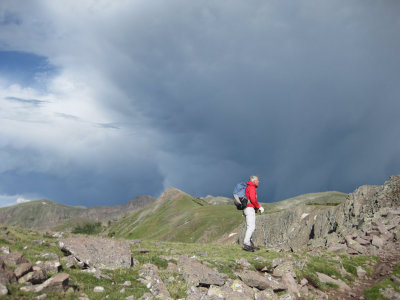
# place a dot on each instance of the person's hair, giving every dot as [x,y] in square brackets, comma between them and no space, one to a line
[253,178]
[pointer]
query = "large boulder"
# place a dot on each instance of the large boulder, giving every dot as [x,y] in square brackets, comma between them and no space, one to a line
[98,252]
[58,283]
[198,274]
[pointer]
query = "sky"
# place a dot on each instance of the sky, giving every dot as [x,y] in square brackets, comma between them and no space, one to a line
[102,101]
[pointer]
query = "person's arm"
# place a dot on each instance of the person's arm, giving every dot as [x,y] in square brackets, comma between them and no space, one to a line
[253,197]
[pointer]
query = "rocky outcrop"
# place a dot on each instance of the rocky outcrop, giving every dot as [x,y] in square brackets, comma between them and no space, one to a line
[369,210]
[98,252]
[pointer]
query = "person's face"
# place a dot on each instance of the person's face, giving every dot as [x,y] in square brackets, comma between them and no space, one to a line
[257,181]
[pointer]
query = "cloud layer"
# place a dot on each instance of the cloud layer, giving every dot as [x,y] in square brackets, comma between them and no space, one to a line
[137,96]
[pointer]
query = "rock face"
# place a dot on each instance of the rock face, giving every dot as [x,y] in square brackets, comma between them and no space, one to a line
[98,252]
[366,209]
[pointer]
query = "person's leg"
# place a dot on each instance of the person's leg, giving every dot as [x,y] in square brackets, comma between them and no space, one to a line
[250,214]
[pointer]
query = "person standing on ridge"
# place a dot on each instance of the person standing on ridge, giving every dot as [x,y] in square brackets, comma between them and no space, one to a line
[250,212]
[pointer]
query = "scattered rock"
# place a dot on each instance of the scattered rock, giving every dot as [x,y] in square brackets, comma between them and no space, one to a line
[99,252]
[50,266]
[150,278]
[290,284]
[58,282]
[22,269]
[395,279]
[41,297]
[254,279]
[6,275]
[3,290]
[337,248]
[325,279]
[361,273]
[243,262]
[197,274]
[127,283]
[378,242]
[36,277]
[5,250]
[98,289]
[14,258]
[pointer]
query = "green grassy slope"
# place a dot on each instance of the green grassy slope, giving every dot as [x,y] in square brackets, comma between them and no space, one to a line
[324,198]
[182,219]
[38,214]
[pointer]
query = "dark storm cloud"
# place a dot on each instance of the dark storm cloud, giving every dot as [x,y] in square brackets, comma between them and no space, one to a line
[302,94]
[204,94]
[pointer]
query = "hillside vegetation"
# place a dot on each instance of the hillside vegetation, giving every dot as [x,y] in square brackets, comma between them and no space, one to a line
[183,218]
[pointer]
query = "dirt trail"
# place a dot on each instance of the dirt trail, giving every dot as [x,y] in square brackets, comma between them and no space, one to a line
[388,259]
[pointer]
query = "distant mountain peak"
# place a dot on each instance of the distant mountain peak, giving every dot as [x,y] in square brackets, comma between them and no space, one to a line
[171,193]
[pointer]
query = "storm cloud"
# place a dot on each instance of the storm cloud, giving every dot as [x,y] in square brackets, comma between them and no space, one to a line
[128,98]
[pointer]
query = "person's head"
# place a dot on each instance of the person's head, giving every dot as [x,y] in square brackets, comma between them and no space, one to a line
[254,179]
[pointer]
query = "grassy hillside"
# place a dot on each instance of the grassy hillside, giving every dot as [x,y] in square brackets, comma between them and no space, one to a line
[183,219]
[223,258]
[324,198]
[38,214]
[46,214]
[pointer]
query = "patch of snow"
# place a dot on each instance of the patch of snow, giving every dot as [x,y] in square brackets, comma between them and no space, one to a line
[304,215]
[232,234]
[44,203]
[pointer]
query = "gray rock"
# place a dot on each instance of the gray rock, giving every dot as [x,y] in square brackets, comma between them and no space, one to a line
[58,282]
[284,268]
[151,279]
[361,273]
[352,244]
[6,275]
[196,273]
[290,284]
[14,258]
[5,250]
[127,283]
[235,290]
[146,296]
[243,262]
[98,289]
[378,242]
[99,252]
[3,290]
[267,294]
[337,248]
[325,279]
[41,297]
[37,276]
[50,266]
[254,279]
[22,269]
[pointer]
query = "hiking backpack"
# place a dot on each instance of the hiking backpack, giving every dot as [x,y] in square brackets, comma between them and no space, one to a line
[239,195]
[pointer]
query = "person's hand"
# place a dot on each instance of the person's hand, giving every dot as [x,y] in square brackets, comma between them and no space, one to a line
[261,209]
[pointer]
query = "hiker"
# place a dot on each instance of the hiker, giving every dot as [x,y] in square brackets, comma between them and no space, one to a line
[250,213]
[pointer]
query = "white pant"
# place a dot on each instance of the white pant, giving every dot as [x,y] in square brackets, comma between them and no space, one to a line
[250,215]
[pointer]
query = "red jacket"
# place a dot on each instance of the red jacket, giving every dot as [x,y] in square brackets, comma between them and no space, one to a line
[251,195]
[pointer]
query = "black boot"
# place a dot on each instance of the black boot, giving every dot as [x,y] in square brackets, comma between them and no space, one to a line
[248,248]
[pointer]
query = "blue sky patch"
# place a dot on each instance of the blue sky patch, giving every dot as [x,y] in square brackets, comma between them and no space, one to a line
[24,68]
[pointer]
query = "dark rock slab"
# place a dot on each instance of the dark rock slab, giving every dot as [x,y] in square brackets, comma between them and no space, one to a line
[98,252]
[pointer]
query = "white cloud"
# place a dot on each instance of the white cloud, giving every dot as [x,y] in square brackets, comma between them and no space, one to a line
[9,200]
